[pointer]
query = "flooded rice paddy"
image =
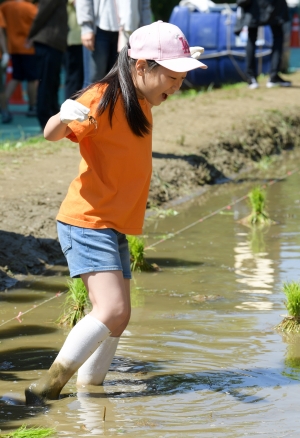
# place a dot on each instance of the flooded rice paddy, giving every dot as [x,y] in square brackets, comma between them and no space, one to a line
[200,357]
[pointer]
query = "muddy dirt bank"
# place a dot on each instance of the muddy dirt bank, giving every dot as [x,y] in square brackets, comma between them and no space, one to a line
[197,142]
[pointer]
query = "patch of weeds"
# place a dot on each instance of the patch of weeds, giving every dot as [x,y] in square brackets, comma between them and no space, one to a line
[265,162]
[32,432]
[236,86]
[75,304]
[162,213]
[192,92]
[291,323]
[137,257]
[181,140]
[165,236]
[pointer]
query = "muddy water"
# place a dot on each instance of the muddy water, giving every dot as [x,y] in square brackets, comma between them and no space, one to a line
[200,356]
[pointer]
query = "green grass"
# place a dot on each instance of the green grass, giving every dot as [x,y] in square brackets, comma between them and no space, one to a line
[265,162]
[32,432]
[75,304]
[291,323]
[8,145]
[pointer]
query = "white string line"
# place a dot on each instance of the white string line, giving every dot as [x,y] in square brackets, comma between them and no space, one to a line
[228,206]
[58,294]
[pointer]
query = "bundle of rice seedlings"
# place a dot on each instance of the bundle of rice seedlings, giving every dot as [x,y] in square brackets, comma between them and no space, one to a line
[32,432]
[291,323]
[76,303]
[136,249]
[258,216]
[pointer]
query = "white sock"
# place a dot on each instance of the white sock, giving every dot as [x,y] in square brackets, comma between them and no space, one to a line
[94,370]
[81,342]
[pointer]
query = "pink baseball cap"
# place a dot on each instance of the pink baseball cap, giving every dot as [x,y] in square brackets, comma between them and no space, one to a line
[164,43]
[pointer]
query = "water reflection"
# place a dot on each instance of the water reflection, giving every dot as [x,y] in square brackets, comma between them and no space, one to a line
[253,269]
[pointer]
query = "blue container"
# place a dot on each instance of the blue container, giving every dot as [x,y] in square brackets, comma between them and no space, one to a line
[203,31]
[225,53]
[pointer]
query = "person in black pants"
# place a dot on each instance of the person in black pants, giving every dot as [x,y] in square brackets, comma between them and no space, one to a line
[49,35]
[73,62]
[257,13]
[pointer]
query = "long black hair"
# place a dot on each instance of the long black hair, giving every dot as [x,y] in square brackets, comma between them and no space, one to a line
[120,83]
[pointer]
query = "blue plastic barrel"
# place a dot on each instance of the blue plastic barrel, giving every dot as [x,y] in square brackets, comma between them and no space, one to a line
[224,53]
[203,31]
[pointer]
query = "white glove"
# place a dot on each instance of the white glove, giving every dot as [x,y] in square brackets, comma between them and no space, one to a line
[196,52]
[4,60]
[73,110]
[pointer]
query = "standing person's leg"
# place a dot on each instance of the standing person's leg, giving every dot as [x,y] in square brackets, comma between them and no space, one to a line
[113,50]
[9,90]
[49,67]
[251,69]
[98,63]
[17,78]
[29,65]
[32,87]
[275,80]
[74,70]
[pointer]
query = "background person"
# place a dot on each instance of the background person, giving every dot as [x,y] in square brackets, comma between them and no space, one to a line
[3,64]
[257,13]
[24,63]
[73,61]
[49,33]
[108,198]
[101,21]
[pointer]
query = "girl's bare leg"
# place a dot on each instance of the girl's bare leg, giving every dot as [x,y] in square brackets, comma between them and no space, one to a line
[95,368]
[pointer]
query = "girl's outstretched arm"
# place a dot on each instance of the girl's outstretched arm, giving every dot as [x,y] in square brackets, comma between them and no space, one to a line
[57,126]
[55,129]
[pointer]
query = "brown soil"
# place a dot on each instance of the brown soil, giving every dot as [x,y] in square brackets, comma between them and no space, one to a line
[197,140]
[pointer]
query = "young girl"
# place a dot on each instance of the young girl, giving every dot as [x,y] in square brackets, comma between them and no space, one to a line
[111,120]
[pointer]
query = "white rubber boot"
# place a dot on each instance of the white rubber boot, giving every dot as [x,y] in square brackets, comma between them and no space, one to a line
[80,344]
[94,370]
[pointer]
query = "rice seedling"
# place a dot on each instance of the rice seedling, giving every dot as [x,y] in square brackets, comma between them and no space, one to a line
[137,259]
[32,432]
[258,215]
[291,322]
[76,303]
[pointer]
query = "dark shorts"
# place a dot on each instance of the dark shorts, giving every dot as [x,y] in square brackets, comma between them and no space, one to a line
[90,250]
[24,67]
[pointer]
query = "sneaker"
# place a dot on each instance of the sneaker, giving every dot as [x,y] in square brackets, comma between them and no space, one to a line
[277,81]
[6,117]
[253,84]
[31,112]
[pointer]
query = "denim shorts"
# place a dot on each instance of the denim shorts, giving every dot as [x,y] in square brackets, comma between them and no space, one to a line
[94,250]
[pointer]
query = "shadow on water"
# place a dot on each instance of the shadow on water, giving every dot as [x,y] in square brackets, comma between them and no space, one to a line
[171,262]
[25,359]
[26,330]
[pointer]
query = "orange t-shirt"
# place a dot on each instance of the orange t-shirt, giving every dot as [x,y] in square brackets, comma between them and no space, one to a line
[111,190]
[18,18]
